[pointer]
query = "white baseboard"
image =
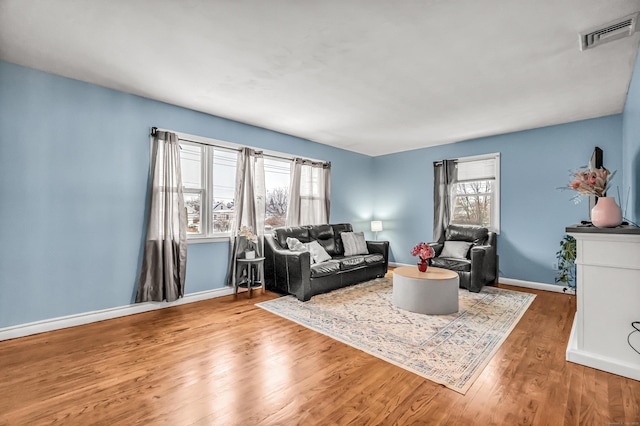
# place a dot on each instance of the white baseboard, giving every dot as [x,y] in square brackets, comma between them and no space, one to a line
[519,283]
[537,286]
[28,329]
[597,361]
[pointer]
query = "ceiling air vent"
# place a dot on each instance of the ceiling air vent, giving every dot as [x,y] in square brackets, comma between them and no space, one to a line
[620,28]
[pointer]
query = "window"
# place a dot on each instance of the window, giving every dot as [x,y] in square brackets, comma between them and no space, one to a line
[277,174]
[476,193]
[191,166]
[223,189]
[208,180]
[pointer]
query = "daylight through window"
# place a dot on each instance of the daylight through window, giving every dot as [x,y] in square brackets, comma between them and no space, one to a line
[277,174]
[208,179]
[476,193]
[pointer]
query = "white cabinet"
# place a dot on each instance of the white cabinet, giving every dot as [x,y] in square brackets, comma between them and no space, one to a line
[608,299]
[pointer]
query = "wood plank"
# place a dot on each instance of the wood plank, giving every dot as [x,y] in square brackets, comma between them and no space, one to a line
[225,361]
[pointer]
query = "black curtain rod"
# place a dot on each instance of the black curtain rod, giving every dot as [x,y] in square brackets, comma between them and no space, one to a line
[154,131]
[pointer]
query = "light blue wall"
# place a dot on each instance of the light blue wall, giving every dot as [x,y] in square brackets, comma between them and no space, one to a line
[534,213]
[631,148]
[74,162]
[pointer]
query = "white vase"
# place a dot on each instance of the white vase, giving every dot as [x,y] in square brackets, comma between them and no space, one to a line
[606,213]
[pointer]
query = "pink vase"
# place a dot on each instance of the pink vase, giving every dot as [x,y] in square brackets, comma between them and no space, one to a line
[606,213]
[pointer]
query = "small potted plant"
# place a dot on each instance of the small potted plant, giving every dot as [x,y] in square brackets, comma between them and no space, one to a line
[566,261]
[252,239]
[425,252]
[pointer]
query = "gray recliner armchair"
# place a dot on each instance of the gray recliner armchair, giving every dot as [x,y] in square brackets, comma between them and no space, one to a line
[471,252]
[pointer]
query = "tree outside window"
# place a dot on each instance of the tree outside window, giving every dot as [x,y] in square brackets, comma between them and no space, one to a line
[473,203]
[476,192]
[277,174]
[208,175]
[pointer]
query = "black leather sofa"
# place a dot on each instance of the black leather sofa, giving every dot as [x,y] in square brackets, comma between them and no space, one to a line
[480,267]
[291,272]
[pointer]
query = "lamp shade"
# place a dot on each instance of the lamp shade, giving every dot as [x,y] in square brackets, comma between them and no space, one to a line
[376,225]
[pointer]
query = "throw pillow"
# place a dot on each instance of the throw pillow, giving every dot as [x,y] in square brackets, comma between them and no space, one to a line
[456,249]
[318,253]
[354,243]
[294,244]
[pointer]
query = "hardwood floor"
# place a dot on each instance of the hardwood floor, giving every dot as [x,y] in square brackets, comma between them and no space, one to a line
[226,362]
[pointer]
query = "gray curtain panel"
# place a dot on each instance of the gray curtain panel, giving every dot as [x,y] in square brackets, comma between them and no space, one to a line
[445,176]
[164,261]
[309,193]
[249,206]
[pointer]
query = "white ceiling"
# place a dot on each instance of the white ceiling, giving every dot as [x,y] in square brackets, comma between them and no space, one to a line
[370,76]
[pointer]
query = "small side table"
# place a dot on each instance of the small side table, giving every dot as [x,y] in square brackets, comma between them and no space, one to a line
[254,268]
[434,292]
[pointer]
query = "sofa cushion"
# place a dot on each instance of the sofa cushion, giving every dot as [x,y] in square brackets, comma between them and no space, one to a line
[354,243]
[325,236]
[456,249]
[299,232]
[318,253]
[374,258]
[352,262]
[338,229]
[458,265]
[294,244]
[325,268]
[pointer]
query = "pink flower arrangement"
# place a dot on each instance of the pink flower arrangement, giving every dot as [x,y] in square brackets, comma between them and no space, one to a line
[590,182]
[424,250]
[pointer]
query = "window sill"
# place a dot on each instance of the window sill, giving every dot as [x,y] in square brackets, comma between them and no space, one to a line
[204,240]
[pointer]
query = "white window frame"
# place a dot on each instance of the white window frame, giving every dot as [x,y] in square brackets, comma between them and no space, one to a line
[202,191]
[495,196]
[207,233]
[205,236]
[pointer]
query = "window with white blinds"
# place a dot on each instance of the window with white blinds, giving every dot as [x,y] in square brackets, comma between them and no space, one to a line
[476,169]
[476,193]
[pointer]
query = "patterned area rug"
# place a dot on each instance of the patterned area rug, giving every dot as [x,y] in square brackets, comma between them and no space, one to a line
[448,349]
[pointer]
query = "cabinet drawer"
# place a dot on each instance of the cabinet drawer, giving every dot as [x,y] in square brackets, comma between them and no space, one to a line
[621,253]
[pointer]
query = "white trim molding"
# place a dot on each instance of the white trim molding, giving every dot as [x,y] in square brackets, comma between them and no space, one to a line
[396,264]
[519,283]
[28,329]
[537,286]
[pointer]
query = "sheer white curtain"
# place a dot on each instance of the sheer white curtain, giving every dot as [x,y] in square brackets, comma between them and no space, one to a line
[309,193]
[165,252]
[249,208]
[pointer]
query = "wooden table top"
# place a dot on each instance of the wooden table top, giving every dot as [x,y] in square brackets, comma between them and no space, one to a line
[432,273]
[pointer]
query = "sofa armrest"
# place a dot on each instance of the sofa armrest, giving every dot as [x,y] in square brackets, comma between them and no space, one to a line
[437,248]
[287,271]
[381,247]
[482,267]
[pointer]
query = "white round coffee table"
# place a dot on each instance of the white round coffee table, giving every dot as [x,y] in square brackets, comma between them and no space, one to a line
[434,292]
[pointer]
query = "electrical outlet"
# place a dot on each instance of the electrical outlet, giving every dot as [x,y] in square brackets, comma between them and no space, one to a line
[554,266]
